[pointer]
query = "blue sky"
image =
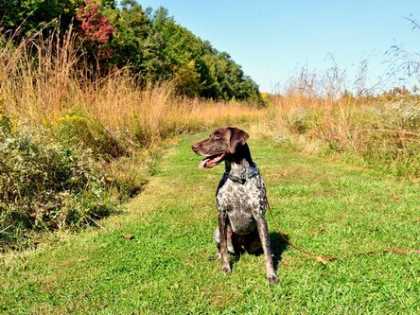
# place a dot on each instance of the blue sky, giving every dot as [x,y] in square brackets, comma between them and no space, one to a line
[272,39]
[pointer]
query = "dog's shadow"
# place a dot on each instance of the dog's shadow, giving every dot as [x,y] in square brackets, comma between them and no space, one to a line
[279,244]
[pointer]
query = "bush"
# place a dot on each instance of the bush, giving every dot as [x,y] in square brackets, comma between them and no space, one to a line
[300,120]
[129,175]
[78,130]
[384,133]
[45,186]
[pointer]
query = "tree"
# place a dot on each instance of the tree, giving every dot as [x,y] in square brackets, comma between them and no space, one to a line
[29,15]
[151,44]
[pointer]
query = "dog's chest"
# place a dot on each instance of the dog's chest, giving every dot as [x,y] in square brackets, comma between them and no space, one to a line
[242,202]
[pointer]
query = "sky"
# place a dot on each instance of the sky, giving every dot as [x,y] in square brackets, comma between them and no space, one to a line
[272,39]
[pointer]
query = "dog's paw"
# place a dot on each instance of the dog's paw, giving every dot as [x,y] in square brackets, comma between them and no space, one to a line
[273,279]
[226,269]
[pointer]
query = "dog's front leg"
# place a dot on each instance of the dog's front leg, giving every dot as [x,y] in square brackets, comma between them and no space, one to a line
[223,241]
[265,243]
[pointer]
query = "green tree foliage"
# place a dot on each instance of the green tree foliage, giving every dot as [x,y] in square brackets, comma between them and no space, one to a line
[32,15]
[135,43]
[215,75]
[152,44]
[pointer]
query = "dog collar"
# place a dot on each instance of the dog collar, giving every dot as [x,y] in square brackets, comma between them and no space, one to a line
[247,174]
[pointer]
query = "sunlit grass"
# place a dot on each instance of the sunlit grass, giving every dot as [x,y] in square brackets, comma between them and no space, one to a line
[153,258]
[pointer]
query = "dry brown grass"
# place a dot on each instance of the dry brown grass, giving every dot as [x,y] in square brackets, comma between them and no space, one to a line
[42,90]
[380,129]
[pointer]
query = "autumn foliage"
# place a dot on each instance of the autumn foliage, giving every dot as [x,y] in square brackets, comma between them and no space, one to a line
[93,24]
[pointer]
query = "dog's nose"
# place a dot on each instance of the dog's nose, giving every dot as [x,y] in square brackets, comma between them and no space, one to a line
[194,148]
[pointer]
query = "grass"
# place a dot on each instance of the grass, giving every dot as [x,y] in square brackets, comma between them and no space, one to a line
[50,89]
[382,130]
[48,94]
[153,258]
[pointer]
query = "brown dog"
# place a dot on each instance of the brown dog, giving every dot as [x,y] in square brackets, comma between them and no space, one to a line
[241,197]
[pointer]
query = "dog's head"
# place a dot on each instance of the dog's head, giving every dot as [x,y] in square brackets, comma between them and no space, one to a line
[222,143]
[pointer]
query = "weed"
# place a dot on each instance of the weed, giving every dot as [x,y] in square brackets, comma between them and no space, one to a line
[76,130]
[384,133]
[45,186]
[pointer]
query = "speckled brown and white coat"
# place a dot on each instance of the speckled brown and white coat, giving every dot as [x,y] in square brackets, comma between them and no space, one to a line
[241,194]
[241,197]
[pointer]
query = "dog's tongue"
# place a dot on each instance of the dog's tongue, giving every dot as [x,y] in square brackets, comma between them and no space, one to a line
[210,162]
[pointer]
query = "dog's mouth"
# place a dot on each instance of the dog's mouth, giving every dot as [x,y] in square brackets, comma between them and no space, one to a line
[211,161]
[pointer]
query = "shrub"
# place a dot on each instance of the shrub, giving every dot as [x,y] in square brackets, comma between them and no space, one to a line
[45,186]
[300,119]
[128,175]
[78,130]
[384,133]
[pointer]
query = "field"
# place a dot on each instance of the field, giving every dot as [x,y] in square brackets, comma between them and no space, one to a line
[153,257]
[103,209]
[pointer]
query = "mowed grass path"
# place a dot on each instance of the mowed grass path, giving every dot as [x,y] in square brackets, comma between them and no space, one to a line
[153,258]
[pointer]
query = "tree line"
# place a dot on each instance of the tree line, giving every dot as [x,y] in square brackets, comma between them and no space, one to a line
[124,34]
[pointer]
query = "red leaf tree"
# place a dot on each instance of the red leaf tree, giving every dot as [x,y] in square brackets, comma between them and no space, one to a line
[95,27]
[96,31]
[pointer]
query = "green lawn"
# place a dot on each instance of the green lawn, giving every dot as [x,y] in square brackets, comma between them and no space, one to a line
[153,258]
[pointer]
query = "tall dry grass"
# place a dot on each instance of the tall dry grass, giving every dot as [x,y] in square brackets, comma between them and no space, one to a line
[43,80]
[383,130]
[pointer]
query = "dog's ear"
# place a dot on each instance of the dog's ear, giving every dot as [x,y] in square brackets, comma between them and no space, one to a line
[237,136]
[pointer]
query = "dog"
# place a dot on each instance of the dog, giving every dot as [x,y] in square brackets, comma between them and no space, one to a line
[241,197]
